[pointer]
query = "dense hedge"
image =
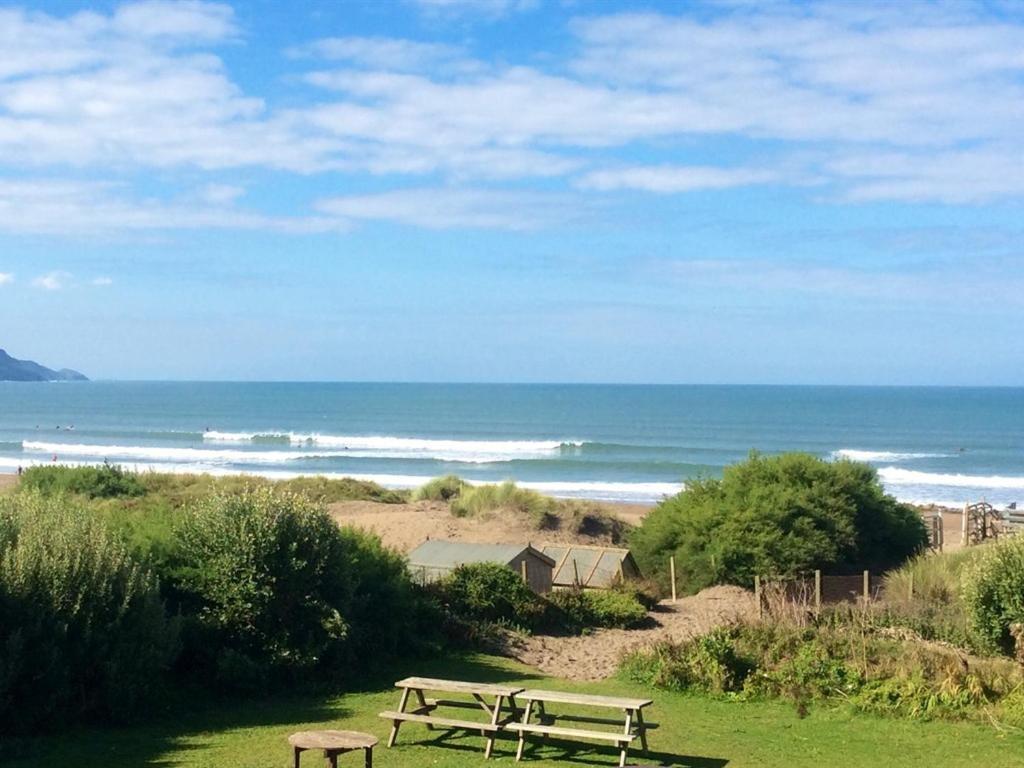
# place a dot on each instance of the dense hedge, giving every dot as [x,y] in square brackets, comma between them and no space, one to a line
[83,633]
[994,594]
[274,587]
[779,515]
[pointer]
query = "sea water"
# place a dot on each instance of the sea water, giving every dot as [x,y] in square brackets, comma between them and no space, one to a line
[946,445]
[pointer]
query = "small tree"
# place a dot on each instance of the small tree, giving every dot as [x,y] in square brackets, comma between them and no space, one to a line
[779,515]
[994,593]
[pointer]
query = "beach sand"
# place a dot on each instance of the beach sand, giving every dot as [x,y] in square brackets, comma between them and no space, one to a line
[8,481]
[405,526]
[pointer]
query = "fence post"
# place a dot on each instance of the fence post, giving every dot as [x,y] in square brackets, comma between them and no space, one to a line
[867,587]
[963,528]
[817,591]
[757,596]
[672,571]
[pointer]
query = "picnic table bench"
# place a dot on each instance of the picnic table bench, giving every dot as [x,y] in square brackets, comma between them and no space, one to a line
[633,726]
[492,699]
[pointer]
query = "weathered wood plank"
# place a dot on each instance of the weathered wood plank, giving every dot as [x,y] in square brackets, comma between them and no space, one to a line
[572,733]
[468,725]
[584,699]
[457,686]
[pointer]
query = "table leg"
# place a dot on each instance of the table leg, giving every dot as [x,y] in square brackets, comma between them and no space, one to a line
[625,744]
[494,721]
[401,708]
[423,705]
[332,758]
[522,734]
[641,728]
[369,757]
[298,751]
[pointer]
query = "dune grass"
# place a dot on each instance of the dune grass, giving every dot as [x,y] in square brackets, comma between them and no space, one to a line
[695,732]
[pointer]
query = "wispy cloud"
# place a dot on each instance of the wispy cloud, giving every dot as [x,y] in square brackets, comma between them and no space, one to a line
[102,282]
[6,278]
[674,178]
[52,281]
[455,208]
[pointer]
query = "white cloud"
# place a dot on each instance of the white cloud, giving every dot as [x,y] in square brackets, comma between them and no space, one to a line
[6,278]
[449,208]
[184,19]
[673,178]
[73,208]
[221,194]
[492,8]
[387,53]
[101,282]
[52,281]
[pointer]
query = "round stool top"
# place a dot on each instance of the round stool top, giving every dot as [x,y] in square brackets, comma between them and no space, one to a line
[332,740]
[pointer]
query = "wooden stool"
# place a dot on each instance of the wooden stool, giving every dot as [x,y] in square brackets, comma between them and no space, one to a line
[333,743]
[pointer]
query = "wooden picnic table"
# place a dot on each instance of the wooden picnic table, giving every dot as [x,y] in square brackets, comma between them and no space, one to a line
[632,721]
[492,699]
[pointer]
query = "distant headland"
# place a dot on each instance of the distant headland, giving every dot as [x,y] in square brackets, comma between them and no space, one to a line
[12,369]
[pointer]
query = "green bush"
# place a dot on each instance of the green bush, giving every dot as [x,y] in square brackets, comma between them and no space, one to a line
[994,592]
[441,489]
[269,577]
[83,633]
[778,516]
[482,499]
[578,610]
[481,593]
[106,481]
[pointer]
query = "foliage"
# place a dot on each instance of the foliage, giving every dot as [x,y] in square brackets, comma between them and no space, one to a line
[778,516]
[83,634]
[994,593]
[441,489]
[271,579]
[508,497]
[106,481]
[489,593]
[578,610]
[866,666]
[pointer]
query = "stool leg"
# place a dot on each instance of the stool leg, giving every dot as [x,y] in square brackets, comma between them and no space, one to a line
[332,759]
[369,757]
[297,753]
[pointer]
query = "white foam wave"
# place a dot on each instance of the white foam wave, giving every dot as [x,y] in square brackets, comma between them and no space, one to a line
[899,476]
[877,456]
[383,446]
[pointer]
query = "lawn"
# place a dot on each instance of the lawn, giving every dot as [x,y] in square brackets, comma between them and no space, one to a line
[695,732]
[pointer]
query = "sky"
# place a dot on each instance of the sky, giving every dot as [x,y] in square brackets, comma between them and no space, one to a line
[515,190]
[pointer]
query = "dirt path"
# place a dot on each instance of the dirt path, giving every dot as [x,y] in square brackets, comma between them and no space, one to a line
[597,656]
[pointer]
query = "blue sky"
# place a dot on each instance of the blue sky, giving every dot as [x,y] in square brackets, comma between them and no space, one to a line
[515,190]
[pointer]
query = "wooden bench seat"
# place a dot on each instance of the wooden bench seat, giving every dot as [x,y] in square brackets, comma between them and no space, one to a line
[411,717]
[571,733]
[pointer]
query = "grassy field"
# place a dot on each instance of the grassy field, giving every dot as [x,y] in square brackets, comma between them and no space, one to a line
[695,732]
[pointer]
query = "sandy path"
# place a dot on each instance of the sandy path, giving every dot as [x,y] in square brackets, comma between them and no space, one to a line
[404,526]
[597,656]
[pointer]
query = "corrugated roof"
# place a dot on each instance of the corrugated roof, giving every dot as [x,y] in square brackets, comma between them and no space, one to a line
[438,553]
[590,566]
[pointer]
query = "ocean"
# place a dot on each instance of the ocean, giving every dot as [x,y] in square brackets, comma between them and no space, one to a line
[945,445]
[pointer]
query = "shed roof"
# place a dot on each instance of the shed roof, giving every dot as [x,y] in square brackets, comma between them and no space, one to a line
[596,566]
[438,553]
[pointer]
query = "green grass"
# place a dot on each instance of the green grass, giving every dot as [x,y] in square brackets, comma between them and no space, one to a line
[695,732]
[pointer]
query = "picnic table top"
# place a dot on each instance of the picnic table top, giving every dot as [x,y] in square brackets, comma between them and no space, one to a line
[458,686]
[584,699]
[331,740]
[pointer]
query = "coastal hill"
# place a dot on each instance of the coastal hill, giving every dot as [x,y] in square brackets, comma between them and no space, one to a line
[12,369]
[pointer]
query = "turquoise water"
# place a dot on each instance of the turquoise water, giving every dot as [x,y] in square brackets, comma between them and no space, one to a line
[628,443]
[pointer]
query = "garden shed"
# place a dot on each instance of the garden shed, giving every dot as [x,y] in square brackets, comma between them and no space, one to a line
[592,567]
[435,558]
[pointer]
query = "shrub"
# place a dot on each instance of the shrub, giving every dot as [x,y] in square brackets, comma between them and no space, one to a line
[83,634]
[270,577]
[105,481]
[578,610]
[482,499]
[994,592]
[778,516]
[489,592]
[441,489]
